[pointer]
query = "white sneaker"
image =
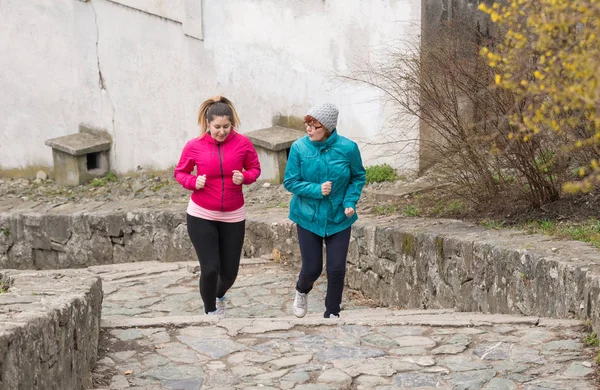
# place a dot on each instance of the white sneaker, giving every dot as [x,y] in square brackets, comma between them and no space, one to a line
[220,303]
[212,313]
[300,304]
[334,316]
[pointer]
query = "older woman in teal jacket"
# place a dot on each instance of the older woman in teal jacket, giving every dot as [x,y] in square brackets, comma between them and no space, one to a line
[325,174]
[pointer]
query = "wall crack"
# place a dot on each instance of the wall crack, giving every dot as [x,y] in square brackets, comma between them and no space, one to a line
[101,80]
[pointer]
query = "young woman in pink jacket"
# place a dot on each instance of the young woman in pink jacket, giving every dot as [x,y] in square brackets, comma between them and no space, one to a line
[216,219]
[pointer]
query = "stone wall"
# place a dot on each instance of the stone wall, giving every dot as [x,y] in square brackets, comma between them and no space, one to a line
[70,237]
[410,263]
[49,329]
[429,264]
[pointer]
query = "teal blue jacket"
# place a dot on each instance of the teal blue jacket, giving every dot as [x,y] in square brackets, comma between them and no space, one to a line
[310,164]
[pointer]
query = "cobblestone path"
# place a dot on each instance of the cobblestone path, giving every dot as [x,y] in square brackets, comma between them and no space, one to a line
[155,336]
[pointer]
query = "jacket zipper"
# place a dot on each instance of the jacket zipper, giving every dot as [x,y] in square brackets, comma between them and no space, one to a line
[222,179]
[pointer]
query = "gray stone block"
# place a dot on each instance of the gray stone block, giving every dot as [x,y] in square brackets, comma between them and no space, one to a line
[49,329]
[272,146]
[79,157]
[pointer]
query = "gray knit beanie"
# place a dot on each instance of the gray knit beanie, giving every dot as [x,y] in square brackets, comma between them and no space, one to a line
[325,113]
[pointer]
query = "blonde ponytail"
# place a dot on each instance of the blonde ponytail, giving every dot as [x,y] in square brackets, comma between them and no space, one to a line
[216,106]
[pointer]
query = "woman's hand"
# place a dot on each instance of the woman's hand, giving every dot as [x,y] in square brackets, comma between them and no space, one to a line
[349,211]
[326,188]
[200,181]
[237,178]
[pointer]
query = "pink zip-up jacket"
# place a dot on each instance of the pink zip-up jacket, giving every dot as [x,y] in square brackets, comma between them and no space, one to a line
[218,160]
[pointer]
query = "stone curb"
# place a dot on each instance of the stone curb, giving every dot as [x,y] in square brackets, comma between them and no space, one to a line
[355,317]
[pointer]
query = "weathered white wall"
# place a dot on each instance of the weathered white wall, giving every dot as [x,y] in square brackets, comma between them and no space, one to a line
[270,57]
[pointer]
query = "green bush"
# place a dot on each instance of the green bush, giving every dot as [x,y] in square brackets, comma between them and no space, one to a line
[380,173]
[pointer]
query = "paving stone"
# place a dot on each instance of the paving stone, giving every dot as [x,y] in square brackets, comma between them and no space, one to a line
[495,351]
[296,377]
[215,348]
[577,370]
[123,355]
[377,340]
[291,361]
[243,371]
[501,384]
[526,355]
[562,345]
[336,378]
[409,351]
[128,334]
[335,353]
[220,379]
[160,338]
[545,370]
[450,349]
[253,357]
[276,347]
[563,357]
[459,339]
[549,385]
[377,366]
[179,353]
[119,382]
[282,335]
[470,379]
[423,361]
[462,363]
[272,375]
[415,341]
[154,360]
[401,331]
[190,384]
[436,370]
[188,372]
[415,380]
[140,303]
[314,387]
[368,382]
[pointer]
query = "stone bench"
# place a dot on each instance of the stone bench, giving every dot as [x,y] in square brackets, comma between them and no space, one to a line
[49,329]
[79,157]
[273,147]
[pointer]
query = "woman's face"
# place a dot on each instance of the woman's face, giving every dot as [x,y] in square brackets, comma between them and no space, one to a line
[219,127]
[316,131]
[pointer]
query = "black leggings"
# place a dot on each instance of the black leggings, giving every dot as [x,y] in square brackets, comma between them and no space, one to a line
[311,249]
[219,248]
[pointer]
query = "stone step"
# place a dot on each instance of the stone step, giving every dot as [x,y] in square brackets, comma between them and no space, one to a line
[365,317]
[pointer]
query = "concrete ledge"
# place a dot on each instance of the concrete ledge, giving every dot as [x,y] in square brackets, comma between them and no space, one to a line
[79,144]
[408,263]
[275,138]
[49,329]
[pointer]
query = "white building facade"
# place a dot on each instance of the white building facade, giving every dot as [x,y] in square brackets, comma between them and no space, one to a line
[139,69]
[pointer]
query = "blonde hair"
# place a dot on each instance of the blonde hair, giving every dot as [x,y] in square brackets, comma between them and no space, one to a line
[216,106]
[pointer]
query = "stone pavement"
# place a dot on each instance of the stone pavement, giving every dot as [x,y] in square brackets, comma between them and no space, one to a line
[155,336]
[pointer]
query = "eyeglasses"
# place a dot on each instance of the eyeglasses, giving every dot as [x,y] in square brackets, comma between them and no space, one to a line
[313,126]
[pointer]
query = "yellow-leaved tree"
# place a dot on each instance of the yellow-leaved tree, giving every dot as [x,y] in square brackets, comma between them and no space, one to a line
[549,57]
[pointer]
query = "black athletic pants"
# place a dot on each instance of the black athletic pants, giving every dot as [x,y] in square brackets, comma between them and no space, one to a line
[311,249]
[219,248]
